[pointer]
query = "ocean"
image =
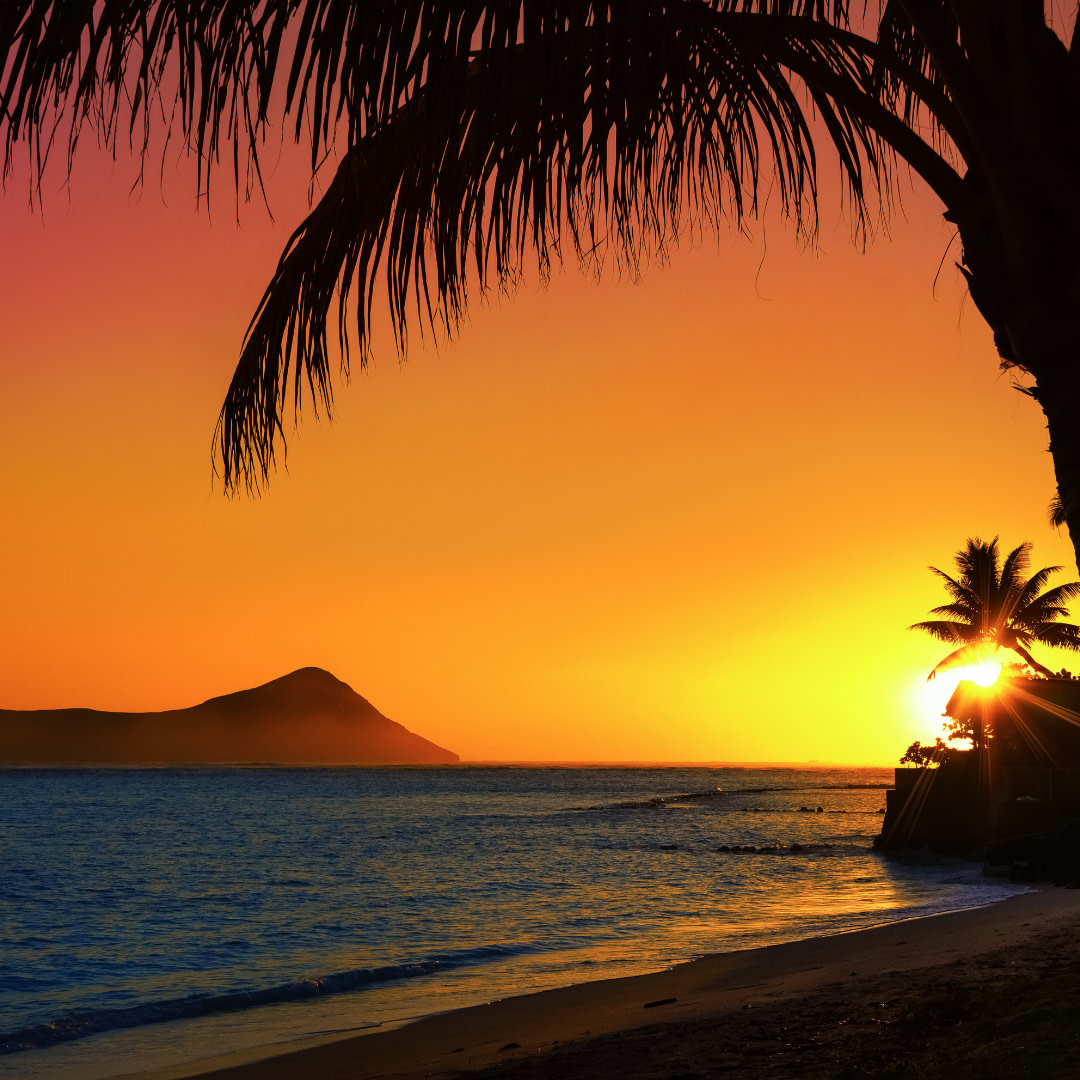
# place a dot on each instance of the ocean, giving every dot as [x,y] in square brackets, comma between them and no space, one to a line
[166,915]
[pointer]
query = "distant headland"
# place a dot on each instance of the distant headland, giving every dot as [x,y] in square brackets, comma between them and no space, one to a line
[306,717]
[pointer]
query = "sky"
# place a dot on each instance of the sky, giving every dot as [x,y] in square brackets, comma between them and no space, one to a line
[683,519]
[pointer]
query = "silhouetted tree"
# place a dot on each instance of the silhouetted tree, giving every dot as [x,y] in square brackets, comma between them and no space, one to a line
[995,607]
[469,133]
[923,757]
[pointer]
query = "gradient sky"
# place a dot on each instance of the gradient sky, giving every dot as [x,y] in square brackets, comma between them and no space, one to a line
[687,519]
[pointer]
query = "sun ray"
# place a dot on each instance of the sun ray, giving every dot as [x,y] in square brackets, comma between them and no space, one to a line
[1060,711]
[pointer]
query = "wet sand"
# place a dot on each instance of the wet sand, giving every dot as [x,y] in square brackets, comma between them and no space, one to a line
[988,992]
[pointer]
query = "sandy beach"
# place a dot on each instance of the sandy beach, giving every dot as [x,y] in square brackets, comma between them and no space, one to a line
[990,991]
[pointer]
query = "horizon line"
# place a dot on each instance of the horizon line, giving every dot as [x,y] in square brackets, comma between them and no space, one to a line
[565,763]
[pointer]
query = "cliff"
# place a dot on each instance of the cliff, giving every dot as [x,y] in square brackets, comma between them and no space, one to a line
[307,717]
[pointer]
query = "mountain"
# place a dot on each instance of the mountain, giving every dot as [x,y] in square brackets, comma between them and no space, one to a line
[308,717]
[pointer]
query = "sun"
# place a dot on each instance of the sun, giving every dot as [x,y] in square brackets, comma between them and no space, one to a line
[984,674]
[930,697]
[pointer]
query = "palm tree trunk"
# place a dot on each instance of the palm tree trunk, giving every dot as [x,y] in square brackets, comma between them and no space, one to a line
[1049,349]
[1031,661]
[1058,392]
[1051,353]
[1022,274]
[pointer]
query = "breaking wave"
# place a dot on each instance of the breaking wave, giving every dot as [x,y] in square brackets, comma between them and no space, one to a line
[83,1022]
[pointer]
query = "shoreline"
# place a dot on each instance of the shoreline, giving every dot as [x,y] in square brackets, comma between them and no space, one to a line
[597,1023]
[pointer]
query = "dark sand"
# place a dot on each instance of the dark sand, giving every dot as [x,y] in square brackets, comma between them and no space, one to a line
[990,992]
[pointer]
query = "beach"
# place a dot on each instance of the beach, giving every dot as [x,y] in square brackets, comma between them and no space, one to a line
[989,990]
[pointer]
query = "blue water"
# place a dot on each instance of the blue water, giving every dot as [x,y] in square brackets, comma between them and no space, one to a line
[166,914]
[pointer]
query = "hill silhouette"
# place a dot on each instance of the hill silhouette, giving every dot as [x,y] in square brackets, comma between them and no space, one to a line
[306,717]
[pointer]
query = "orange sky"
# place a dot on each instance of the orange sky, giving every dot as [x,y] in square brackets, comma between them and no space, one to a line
[683,520]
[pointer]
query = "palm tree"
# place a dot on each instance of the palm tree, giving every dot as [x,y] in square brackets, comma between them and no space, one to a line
[467,134]
[993,606]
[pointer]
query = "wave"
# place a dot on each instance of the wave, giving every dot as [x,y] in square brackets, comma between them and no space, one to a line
[853,787]
[802,810]
[784,789]
[83,1022]
[658,801]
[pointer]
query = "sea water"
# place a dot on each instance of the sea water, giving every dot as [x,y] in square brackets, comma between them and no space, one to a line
[150,917]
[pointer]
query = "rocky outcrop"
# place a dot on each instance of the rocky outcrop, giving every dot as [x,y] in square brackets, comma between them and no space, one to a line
[307,717]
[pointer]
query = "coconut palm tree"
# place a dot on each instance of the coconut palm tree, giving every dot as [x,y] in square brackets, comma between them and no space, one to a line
[994,606]
[470,136]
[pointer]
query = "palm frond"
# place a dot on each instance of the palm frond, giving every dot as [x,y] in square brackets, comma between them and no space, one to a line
[968,656]
[202,67]
[1028,590]
[1046,608]
[1056,510]
[978,562]
[958,590]
[1059,594]
[1014,567]
[946,631]
[518,125]
[1058,635]
[959,612]
[685,111]
[904,52]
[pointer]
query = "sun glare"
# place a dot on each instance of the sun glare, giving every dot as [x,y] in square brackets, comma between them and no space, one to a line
[930,697]
[984,674]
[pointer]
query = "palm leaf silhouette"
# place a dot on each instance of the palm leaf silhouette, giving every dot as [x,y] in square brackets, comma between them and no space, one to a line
[448,195]
[471,139]
[996,607]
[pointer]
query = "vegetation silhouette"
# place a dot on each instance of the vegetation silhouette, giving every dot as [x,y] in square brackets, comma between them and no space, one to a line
[470,134]
[922,757]
[995,607]
[1014,794]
